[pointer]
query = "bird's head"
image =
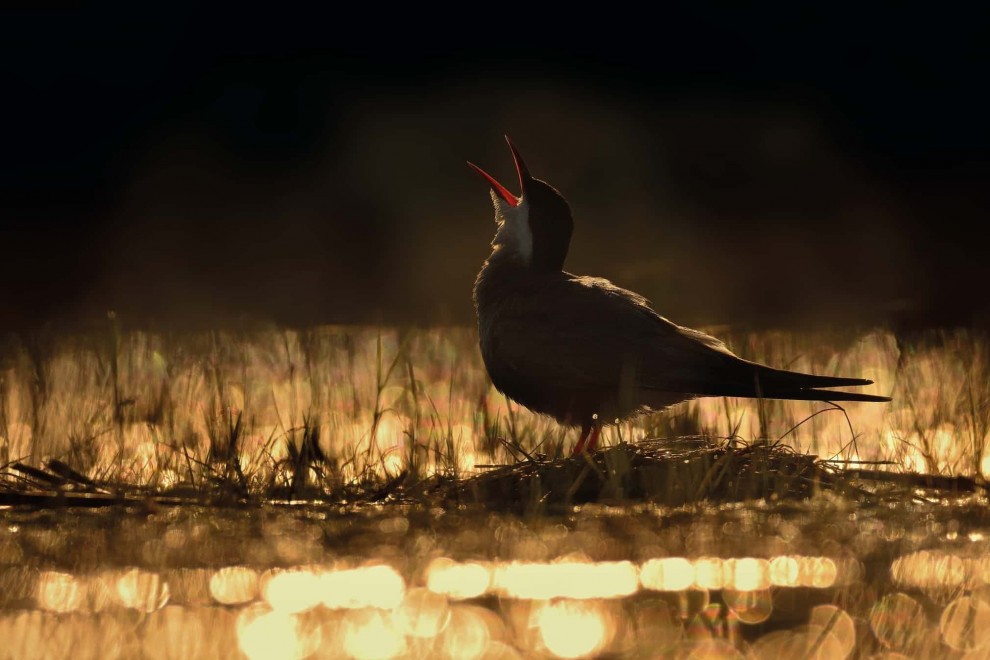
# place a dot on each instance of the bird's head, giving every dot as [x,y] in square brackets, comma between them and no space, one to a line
[537,225]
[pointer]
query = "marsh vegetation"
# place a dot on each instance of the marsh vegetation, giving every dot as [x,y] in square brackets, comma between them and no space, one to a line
[365,492]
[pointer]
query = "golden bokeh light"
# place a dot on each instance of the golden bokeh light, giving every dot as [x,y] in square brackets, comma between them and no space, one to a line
[369,634]
[234,585]
[965,624]
[746,574]
[935,571]
[263,633]
[751,606]
[175,632]
[378,586]
[667,574]
[785,571]
[293,591]
[836,622]
[520,586]
[807,642]
[899,622]
[657,627]
[60,592]
[574,629]
[469,633]
[458,581]
[340,389]
[708,573]
[566,579]
[817,572]
[423,613]
[711,649]
[143,591]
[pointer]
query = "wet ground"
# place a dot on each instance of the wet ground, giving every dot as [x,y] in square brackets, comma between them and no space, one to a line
[820,578]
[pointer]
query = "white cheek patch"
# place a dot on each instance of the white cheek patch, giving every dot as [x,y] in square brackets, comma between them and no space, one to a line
[513,229]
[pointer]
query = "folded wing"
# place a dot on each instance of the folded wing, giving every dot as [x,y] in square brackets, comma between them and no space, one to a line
[596,335]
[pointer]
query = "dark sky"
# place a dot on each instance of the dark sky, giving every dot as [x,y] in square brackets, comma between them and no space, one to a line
[734,166]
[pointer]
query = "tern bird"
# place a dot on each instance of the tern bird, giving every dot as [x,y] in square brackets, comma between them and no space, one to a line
[586,352]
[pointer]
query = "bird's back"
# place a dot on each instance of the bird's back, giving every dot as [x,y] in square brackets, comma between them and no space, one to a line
[573,347]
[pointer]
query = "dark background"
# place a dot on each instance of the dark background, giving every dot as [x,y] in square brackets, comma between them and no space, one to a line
[770,167]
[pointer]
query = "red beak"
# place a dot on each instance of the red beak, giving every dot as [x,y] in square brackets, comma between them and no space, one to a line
[501,190]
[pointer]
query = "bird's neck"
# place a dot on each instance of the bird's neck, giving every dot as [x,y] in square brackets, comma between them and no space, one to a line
[504,274]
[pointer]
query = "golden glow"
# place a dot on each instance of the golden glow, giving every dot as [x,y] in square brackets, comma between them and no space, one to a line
[458,581]
[657,627]
[263,633]
[747,574]
[28,634]
[500,651]
[667,574]
[752,606]
[898,621]
[809,642]
[175,632]
[934,570]
[423,613]
[234,585]
[568,579]
[371,586]
[785,571]
[102,592]
[817,572]
[922,425]
[468,634]
[836,622]
[965,624]
[142,590]
[573,629]
[293,591]
[60,592]
[370,635]
[708,573]
[713,649]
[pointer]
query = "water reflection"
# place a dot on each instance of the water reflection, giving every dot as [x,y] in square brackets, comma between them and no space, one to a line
[450,584]
[458,580]
[292,591]
[566,579]
[265,633]
[370,635]
[574,629]
[899,622]
[60,592]
[370,612]
[373,586]
[142,590]
[234,585]
[965,624]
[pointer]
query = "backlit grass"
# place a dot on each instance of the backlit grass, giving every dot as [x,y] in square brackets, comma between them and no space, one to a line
[304,413]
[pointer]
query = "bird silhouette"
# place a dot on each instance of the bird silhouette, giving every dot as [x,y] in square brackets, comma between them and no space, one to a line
[587,352]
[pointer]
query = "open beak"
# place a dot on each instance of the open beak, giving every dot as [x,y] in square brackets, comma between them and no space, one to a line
[501,190]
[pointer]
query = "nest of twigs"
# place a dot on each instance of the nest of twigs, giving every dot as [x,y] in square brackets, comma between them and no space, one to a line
[667,472]
[674,472]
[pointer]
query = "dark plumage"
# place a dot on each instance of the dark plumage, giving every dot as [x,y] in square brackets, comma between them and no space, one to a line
[587,352]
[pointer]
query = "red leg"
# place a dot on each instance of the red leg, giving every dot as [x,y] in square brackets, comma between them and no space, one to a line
[588,440]
[592,443]
[579,447]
